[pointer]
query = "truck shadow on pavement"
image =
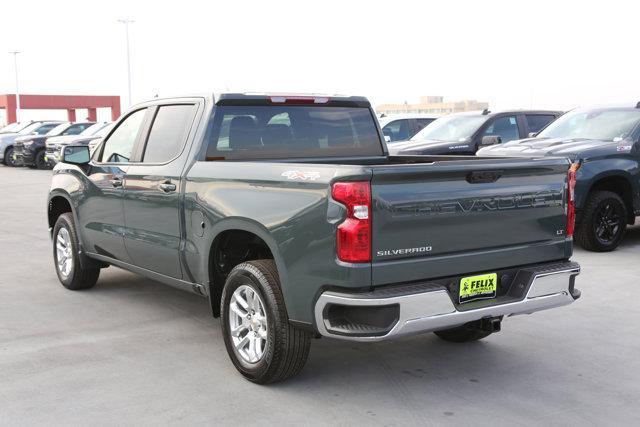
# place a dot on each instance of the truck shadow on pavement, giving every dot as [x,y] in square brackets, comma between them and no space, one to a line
[531,360]
[632,237]
[422,361]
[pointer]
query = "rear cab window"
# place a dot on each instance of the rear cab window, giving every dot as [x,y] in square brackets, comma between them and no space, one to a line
[292,131]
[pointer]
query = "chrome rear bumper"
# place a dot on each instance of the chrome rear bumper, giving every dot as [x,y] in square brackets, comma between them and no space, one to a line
[427,307]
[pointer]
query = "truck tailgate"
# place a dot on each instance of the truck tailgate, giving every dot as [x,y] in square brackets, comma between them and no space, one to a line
[475,215]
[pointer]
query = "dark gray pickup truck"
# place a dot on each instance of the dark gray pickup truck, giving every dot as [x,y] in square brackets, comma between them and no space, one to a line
[287,214]
[603,145]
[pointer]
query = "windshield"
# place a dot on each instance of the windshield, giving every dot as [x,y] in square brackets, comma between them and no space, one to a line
[58,129]
[31,128]
[93,129]
[451,129]
[606,125]
[104,131]
[9,128]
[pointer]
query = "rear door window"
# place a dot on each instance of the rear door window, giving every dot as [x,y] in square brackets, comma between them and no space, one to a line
[536,122]
[168,132]
[261,132]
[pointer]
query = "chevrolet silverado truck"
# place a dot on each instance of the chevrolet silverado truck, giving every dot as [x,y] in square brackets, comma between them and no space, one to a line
[603,145]
[288,214]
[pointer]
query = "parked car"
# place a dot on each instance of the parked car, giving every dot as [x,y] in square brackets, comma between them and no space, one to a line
[30,150]
[12,127]
[26,129]
[464,133]
[400,127]
[287,213]
[603,145]
[55,143]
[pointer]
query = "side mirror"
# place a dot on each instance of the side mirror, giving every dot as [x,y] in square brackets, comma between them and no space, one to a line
[533,134]
[387,138]
[75,154]
[490,140]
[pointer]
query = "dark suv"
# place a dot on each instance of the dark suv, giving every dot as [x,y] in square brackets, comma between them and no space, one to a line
[30,150]
[464,133]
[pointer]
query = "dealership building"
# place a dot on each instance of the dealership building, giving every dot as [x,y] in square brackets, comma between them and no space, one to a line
[433,105]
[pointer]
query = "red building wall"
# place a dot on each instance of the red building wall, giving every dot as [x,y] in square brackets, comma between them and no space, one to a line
[61,102]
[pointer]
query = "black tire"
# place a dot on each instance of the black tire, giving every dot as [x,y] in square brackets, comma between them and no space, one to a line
[40,163]
[77,277]
[286,348]
[465,333]
[8,157]
[603,222]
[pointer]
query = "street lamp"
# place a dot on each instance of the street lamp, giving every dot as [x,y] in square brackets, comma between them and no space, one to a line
[126,23]
[15,64]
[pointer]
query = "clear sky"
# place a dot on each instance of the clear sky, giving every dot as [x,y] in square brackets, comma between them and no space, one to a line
[545,54]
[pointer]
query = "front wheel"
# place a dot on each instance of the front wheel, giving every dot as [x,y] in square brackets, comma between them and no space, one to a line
[603,222]
[262,344]
[8,157]
[40,162]
[66,256]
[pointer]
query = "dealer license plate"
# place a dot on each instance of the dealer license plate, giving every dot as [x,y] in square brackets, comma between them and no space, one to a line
[478,287]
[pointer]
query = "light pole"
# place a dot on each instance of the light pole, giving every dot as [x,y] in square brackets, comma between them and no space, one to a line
[15,64]
[126,23]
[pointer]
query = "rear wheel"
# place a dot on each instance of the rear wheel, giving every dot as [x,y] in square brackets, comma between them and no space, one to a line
[66,256]
[603,222]
[262,344]
[468,332]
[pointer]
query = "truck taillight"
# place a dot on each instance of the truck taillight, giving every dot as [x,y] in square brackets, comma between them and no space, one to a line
[571,207]
[353,238]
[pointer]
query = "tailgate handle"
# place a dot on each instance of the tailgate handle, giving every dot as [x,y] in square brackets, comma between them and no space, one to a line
[480,177]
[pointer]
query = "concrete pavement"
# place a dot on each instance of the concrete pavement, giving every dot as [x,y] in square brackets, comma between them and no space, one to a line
[133,351]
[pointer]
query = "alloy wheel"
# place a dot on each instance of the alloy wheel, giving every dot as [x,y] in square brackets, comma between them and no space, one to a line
[248,324]
[64,253]
[608,223]
[8,158]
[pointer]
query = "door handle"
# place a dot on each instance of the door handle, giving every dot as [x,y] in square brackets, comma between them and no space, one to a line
[116,181]
[480,177]
[167,186]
